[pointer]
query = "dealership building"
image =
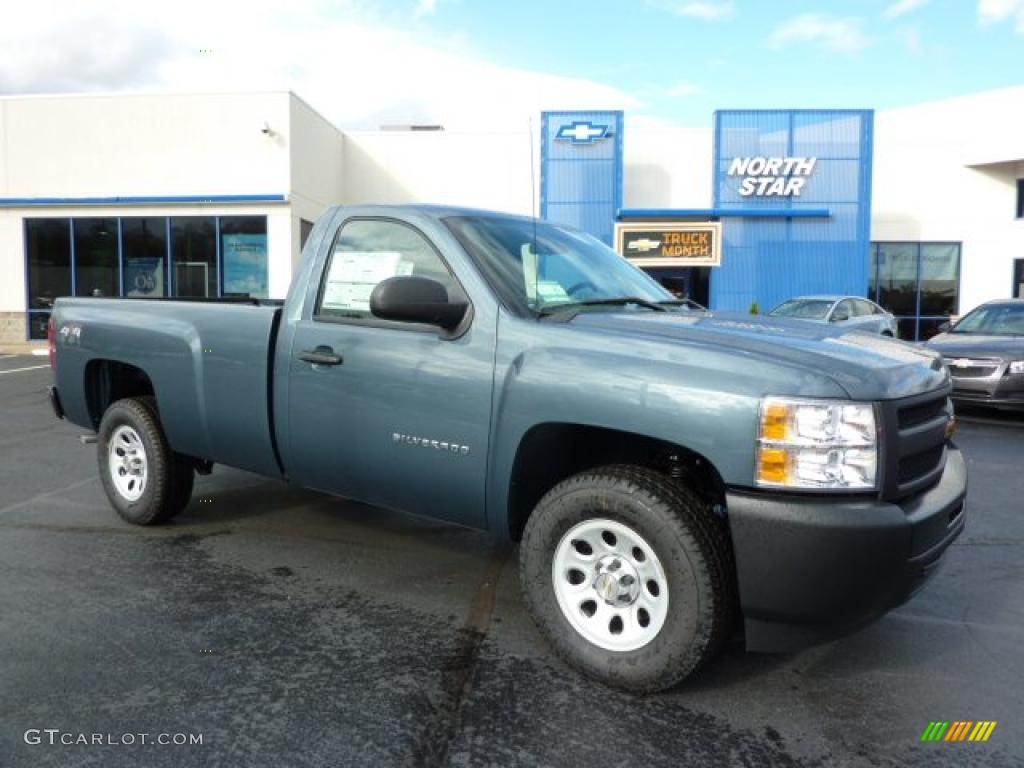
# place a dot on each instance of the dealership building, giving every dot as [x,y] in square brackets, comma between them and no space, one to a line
[207,195]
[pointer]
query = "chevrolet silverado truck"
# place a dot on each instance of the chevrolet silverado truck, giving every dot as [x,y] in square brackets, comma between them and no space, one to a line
[671,474]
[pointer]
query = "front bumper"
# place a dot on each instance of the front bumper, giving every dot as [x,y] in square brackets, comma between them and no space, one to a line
[811,569]
[998,392]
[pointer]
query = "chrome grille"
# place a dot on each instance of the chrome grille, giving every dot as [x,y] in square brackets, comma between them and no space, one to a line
[967,368]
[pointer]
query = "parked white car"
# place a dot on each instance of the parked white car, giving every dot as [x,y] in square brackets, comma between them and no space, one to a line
[852,311]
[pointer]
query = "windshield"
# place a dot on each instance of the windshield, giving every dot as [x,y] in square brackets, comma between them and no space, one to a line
[536,266]
[808,309]
[997,320]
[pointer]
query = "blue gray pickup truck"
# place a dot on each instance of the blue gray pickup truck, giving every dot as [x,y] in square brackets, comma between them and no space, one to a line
[672,475]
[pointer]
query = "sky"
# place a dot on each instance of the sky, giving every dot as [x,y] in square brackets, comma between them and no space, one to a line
[469,63]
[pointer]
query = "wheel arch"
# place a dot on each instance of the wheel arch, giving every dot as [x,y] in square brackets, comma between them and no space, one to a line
[553,451]
[107,381]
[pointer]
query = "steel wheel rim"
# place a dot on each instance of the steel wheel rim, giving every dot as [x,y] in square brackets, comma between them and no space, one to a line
[610,585]
[126,461]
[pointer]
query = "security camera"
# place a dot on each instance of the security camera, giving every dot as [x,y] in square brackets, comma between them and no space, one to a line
[266,129]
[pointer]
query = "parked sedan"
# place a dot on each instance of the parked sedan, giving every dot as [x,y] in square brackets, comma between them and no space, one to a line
[853,311]
[985,354]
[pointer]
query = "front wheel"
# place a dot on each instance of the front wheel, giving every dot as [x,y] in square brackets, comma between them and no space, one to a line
[629,576]
[145,481]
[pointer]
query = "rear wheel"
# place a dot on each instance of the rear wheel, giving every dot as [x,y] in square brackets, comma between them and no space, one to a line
[145,481]
[629,576]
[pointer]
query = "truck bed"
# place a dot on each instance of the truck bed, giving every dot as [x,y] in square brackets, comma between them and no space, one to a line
[209,362]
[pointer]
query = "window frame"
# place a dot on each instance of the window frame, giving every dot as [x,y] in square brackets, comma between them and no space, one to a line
[370,321]
[917,318]
[835,308]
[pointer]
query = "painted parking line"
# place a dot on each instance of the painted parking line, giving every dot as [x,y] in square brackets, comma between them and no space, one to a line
[29,368]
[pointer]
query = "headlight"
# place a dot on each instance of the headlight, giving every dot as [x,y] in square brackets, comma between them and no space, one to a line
[816,444]
[1017,366]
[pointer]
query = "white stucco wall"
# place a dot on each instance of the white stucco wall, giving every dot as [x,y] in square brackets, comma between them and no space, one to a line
[946,171]
[482,170]
[165,145]
[667,167]
[317,168]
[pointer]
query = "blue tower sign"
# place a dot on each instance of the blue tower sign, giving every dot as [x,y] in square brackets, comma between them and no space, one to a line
[581,170]
[810,162]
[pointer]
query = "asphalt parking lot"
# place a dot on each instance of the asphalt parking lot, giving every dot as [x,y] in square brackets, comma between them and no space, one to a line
[290,629]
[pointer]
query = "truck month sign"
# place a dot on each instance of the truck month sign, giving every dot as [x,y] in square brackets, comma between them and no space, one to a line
[772,176]
[655,244]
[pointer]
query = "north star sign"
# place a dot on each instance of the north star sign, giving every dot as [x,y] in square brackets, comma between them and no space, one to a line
[772,176]
[582,132]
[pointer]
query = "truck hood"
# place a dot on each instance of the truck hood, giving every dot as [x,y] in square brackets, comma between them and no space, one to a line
[866,366]
[978,345]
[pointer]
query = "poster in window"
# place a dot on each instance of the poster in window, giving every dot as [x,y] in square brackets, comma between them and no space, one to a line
[354,275]
[245,265]
[144,277]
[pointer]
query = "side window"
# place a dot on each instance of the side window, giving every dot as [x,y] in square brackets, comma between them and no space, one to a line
[368,251]
[844,307]
[863,308]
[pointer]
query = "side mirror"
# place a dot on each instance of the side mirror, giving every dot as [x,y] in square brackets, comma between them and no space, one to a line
[412,299]
[945,327]
[840,315]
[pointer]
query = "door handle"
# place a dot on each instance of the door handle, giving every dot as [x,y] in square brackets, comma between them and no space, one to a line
[321,356]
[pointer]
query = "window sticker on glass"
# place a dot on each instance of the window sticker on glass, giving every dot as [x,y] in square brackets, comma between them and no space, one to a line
[551,292]
[354,275]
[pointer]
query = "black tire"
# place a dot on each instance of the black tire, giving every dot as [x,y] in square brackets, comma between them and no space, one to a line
[692,546]
[169,476]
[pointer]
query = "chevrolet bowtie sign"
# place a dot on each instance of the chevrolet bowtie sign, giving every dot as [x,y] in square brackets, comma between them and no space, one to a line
[582,132]
[653,244]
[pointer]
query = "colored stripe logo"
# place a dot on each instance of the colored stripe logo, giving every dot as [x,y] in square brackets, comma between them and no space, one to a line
[958,730]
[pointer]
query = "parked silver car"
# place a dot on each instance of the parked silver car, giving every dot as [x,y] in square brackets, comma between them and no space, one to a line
[853,311]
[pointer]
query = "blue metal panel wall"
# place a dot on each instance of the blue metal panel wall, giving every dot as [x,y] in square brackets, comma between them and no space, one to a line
[581,170]
[770,260]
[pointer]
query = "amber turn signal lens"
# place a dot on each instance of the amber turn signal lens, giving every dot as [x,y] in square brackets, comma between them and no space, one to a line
[773,466]
[774,422]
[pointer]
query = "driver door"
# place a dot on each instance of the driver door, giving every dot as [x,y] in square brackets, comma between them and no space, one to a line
[397,414]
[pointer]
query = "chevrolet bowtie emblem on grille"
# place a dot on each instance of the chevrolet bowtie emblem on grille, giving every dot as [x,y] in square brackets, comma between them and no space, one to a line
[582,132]
[643,245]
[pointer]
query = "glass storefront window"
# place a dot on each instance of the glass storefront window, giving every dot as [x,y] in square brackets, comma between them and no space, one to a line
[917,282]
[940,272]
[144,240]
[48,259]
[112,256]
[243,248]
[48,247]
[194,256]
[96,267]
[897,277]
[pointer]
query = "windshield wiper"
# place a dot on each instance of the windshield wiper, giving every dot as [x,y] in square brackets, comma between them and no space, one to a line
[574,307]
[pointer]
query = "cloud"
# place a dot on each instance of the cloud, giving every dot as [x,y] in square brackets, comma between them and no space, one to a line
[424,8]
[359,67]
[913,42]
[708,10]
[994,11]
[903,7]
[834,34]
[683,89]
